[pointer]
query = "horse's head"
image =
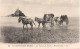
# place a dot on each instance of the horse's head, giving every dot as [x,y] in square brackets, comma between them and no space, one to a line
[20,18]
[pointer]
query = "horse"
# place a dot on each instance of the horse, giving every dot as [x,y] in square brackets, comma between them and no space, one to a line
[26,21]
[59,21]
[64,18]
[40,21]
[49,18]
[56,20]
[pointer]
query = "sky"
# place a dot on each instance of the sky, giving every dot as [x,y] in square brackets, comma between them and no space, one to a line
[32,8]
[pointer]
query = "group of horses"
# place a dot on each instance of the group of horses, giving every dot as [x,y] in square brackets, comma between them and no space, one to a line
[47,18]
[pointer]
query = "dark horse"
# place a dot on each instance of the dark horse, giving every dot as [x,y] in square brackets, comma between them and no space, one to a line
[49,17]
[26,21]
[40,21]
[64,18]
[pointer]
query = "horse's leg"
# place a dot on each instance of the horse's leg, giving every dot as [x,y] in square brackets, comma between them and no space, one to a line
[38,25]
[43,24]
[51,24]
[31,26]
[23,26]
[27,27]
[44,27]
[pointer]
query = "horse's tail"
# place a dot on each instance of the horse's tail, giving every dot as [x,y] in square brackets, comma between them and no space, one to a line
[34,23]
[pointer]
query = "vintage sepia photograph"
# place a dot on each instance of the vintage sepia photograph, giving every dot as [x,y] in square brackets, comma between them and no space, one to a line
[39,21]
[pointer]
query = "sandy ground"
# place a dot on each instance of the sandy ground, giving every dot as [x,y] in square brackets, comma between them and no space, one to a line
[58,34]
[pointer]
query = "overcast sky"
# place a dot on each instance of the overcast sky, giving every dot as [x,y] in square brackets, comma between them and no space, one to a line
[40,7]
